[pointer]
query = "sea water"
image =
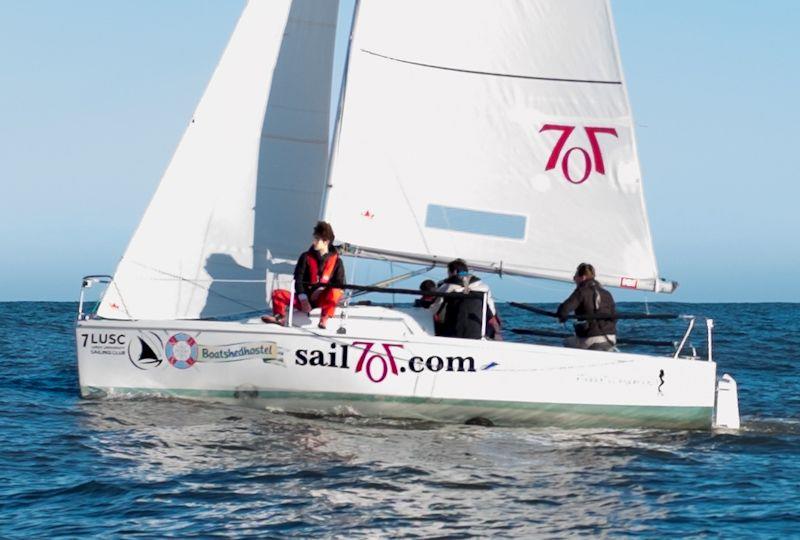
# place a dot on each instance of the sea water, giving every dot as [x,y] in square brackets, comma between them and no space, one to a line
[71,467]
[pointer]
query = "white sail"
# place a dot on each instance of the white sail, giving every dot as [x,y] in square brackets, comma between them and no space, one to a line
[245,184]
[495,131]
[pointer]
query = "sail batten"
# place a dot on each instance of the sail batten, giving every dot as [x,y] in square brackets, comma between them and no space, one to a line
[502,136]
[490,74]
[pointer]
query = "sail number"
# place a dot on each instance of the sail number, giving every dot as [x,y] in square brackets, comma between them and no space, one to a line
[596,157]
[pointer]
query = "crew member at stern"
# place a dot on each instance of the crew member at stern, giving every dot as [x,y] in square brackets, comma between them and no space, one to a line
[316,276]
[589,298]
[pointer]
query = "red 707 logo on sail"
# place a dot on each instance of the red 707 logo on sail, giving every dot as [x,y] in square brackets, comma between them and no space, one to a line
[596,157]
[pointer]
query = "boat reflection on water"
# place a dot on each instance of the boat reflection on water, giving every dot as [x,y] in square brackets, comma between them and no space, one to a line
[167,437]
[276,470]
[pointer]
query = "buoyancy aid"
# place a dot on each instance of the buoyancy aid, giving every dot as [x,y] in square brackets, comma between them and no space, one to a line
[463,316]
[327,268]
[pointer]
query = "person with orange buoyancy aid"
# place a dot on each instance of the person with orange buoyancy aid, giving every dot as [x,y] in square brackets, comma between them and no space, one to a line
[316,276]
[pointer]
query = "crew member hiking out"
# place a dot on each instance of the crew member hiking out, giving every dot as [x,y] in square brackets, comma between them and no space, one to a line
[589,298]
[318,273]
[461,317]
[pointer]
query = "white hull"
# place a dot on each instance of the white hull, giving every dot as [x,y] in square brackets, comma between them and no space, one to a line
[303,369]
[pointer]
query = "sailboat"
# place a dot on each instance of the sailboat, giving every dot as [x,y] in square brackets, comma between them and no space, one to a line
[498,132]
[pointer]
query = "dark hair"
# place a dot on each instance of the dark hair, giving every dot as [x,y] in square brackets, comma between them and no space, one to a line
[457,266]
[427,285]
[324,230]
[585,269]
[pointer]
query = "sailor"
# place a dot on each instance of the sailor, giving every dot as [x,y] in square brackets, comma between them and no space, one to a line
[425,300]
[589,298]
[316,276]
[461,317]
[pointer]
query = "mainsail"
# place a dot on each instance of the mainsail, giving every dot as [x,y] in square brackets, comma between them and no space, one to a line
[246,182]
[496,131]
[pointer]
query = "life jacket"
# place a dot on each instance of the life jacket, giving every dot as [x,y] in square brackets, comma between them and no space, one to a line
[327,268]
[462,316]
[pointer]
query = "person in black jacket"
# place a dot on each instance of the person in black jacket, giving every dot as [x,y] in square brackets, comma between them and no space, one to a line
[589,298]
[316,276]
[461,317]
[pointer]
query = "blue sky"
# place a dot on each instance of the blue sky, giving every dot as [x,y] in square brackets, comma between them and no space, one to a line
[94,96]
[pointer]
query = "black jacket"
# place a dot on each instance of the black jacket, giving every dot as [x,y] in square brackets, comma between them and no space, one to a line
[589,298]
[302,271]
[462,316]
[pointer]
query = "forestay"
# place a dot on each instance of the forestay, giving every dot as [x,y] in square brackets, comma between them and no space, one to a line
[496,131]
[245,184]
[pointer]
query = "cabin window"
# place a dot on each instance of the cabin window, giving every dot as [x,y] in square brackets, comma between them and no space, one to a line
[475,222]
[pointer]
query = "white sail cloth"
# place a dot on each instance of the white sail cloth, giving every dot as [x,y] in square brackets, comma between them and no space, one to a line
[244,186]
[495,131]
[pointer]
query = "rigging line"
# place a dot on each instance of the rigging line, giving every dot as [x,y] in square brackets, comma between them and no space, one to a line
[450,230]
[410,207]
[414,214]
[121,299]
[349,295]
[196,284]
[475,72]
[203,255]
[391,273]
[207,280]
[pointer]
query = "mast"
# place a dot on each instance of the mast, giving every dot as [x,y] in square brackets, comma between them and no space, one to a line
[337,127]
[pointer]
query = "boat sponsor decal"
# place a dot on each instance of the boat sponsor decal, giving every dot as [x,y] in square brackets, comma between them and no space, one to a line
[265,350]
[104,343]
[628,283]
[603,380]
[143,351]
[590,162]
[181,350]
[616,381]
[374,362]
[379,360]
